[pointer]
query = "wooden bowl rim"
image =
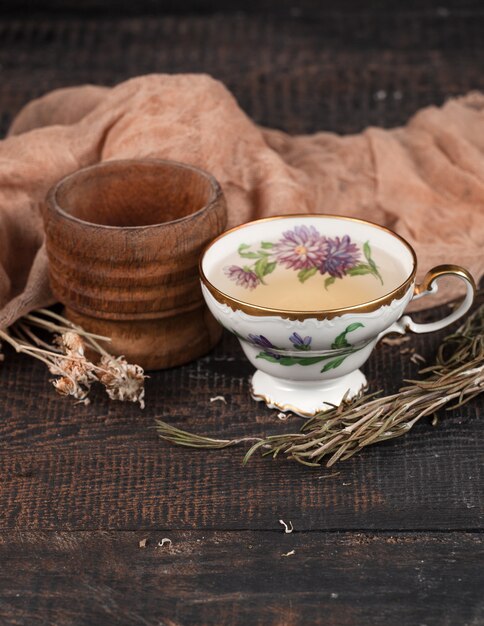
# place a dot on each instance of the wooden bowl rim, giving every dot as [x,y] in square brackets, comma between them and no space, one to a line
[215,194]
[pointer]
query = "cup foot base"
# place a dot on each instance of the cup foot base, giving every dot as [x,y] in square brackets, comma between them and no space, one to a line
[302,397]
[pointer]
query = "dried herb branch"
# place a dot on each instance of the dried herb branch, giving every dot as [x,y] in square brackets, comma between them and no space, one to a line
[67,358]
[456,377]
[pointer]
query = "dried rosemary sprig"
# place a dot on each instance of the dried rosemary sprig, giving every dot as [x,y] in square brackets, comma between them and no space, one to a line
[455,378]
[66,358]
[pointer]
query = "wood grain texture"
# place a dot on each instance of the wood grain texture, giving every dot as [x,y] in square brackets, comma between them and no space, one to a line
[66,466]
[309,67]
[306,8]
[321,69]
[123,240]
[335,579]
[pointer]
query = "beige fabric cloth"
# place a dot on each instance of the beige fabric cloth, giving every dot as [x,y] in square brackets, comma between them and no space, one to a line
[425,180]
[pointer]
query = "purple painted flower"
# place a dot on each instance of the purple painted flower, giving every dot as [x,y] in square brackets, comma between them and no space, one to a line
[243,277]
[299,343]
[265,344]
[301,248]
[341,255]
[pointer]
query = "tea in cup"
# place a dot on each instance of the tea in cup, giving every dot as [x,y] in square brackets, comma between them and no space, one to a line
[309,296]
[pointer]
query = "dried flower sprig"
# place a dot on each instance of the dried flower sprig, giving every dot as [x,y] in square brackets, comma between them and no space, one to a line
[339,433]
[67,360]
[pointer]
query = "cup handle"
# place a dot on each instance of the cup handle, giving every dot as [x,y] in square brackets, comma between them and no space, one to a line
[428,287]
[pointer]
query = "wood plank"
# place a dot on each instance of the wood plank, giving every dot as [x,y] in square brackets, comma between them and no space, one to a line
[311,76]
[66,466]
[334,579]
[307,8]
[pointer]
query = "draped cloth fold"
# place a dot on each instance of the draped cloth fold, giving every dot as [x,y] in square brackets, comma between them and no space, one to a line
[424,180]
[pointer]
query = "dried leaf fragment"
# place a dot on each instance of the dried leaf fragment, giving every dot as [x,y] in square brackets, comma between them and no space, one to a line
[142,542]
[417,358]
[287,528]
[290,553]
[328,475]
[395,341]
[218,399]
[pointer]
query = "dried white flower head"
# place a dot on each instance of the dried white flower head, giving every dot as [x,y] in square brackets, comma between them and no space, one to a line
[66,386]
[76,373]
[123,381]
[71,343]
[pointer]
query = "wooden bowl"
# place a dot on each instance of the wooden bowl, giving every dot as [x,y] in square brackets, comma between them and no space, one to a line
[123,240]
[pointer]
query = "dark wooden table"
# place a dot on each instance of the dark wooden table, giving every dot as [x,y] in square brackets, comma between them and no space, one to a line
[392,536]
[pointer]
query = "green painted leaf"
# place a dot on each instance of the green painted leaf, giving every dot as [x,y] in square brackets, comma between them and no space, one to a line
[303,275]
[333,364]
[360,270]
[266,245]
[302,348]
[304,361]
[354,326]
[267,357]
[376,272]
[270,267]
[371,264]
[309,360]
[260,266]
[246,255]
[341,341]
[329,281]
[263,267]
[287,360]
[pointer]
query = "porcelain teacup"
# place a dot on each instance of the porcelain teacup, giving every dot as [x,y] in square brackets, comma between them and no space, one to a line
[307,357]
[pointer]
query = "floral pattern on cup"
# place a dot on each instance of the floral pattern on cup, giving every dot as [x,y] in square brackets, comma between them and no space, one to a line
[305,250]
[244,277]
[272,353]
